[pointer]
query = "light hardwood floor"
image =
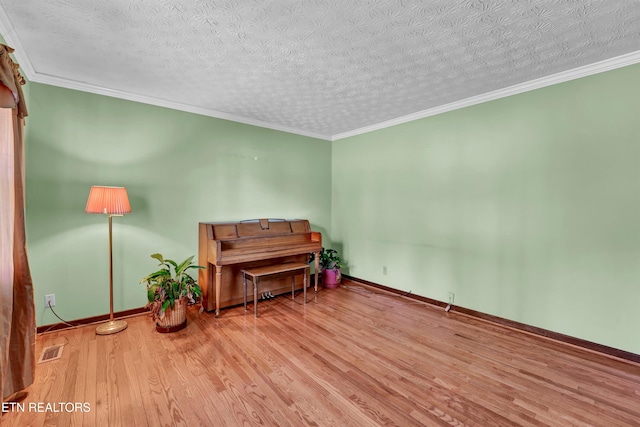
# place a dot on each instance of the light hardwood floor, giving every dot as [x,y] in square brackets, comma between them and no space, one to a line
[353,356]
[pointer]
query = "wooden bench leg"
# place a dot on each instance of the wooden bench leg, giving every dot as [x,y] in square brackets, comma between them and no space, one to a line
[304,283]
[255,296]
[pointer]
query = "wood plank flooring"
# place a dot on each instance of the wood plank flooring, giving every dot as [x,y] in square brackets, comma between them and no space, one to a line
[353,356]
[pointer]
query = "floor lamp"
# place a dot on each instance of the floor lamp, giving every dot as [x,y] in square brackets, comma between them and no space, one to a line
[111,201]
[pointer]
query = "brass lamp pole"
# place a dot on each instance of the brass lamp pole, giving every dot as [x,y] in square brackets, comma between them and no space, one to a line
[111,201]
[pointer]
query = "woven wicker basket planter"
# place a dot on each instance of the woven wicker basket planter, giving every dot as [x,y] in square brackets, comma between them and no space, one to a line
[174,318]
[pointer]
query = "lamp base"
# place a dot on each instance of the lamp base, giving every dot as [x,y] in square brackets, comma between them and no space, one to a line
[112,327]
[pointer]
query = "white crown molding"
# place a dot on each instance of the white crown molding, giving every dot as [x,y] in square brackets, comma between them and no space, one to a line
[85,87]
[565,76]
[8,32]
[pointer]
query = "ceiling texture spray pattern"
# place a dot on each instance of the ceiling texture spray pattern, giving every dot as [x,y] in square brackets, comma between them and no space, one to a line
[315,67]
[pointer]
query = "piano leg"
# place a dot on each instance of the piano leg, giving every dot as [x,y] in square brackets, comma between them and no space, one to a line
[218,286]
[244,281]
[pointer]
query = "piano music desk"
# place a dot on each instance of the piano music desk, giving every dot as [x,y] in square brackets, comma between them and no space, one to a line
[291,268]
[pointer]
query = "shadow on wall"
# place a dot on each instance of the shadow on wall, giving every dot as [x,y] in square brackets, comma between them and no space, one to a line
[329,244]
[326,241]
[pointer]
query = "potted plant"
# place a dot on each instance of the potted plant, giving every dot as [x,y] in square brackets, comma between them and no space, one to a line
[330,266]
[169,290]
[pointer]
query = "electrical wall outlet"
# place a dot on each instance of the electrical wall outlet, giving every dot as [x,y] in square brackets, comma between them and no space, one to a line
[451,297]
[384,269]
[50,300]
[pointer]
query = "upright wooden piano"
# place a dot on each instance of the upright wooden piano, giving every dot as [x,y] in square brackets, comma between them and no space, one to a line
[225,248]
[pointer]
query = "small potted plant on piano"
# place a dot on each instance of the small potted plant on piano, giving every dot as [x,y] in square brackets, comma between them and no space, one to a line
[169,290]
[330,266]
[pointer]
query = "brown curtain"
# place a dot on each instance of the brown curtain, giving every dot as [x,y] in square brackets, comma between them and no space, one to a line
[17,310]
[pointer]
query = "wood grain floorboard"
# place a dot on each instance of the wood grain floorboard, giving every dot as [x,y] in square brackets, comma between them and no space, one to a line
[353,356]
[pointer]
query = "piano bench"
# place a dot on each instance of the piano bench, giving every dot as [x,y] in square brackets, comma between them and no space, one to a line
[289,268]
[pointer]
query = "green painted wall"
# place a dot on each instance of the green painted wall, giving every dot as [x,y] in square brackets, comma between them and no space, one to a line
[179,169]
[526,207]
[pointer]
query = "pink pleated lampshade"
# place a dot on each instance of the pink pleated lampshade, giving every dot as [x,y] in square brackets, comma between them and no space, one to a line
[108,200]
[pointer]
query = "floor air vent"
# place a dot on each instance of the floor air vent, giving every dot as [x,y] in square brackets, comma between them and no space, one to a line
[51,353]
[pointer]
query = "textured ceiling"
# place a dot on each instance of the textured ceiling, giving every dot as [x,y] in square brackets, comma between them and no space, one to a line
[317,67]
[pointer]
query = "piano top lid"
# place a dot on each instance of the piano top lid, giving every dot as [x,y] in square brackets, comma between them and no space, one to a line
[256,228]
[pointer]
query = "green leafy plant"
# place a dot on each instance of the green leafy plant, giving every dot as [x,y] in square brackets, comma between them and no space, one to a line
[169,284]
[329,259]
